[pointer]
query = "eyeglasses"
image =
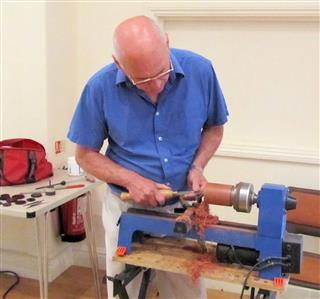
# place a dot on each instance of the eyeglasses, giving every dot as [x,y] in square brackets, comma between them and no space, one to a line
[152,78]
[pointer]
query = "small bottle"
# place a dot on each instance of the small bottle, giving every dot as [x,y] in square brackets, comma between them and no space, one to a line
[73,168]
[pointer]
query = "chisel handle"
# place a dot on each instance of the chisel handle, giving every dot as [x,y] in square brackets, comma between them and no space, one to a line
[167,193]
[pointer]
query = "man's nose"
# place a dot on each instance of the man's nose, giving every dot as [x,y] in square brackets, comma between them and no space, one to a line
[157,84]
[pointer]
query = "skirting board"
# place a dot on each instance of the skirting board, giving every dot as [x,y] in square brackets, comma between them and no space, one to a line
[81,256]
[27,266]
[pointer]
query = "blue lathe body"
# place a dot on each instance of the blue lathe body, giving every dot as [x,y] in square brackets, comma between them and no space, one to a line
[278,251]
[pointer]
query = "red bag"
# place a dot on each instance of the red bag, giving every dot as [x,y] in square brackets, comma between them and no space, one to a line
[23,161]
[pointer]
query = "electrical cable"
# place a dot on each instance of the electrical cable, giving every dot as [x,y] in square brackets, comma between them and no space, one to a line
[236,256]
[271,261]
[13,285]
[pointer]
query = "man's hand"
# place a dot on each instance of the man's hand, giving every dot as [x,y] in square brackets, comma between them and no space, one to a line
[196,181]
[146,192]
[210,140]
[142,190]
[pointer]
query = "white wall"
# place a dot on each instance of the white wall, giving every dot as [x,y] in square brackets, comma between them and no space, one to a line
[24,66]
[37,102]
[269,73]
[61,73]
[266,58]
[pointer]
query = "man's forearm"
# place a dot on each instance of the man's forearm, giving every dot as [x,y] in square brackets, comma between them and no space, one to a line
[103,168]
[211,139]
[143,190]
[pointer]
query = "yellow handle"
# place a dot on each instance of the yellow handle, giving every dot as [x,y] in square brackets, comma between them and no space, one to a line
[167,193]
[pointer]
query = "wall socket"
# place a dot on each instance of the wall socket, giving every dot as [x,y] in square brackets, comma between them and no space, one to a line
[59,146]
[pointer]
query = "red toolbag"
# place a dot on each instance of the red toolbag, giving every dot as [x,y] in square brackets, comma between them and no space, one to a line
[23,161]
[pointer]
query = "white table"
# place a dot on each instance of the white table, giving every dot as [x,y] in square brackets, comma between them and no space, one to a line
[41,212]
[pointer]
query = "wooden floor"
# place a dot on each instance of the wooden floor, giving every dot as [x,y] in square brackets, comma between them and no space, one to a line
[74,283]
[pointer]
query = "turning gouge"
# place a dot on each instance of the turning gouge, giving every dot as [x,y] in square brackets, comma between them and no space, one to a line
[167,193]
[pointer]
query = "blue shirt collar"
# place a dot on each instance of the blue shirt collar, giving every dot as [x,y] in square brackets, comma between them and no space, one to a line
[177,71]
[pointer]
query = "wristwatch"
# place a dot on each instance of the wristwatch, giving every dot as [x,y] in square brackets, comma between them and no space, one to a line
[193,166]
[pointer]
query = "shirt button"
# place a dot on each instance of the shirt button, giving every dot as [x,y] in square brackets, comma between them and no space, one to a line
[168,184]
[157,113]
[165,160]
[160,138]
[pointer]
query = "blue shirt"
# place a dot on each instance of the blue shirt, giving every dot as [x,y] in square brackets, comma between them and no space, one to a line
[158,141]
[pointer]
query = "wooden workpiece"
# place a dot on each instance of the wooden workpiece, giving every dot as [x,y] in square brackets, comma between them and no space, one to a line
[176,255]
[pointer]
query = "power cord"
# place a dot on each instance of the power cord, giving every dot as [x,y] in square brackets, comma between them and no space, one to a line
[271,261]
[13,285]
[236,256]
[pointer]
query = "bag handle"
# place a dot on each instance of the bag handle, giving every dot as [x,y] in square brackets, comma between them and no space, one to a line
[32,161]
[22,143]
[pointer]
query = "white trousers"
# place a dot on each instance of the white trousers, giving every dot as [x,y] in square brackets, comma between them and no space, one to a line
[169,285]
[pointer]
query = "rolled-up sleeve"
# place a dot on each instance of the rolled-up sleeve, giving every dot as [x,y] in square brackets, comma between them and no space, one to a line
[88,126]
[217,107]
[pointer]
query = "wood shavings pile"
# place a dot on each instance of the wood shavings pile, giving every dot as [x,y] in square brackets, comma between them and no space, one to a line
[200,219]
[196,266]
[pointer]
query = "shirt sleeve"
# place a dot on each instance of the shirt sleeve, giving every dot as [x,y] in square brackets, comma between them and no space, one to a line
[217,107]
[88,126]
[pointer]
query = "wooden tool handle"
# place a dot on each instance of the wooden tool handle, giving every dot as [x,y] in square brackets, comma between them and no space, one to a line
[125,196]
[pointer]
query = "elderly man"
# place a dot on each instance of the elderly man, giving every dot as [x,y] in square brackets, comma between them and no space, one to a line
[162,112]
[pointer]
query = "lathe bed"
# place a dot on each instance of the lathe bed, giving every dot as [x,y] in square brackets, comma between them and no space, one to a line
[176,255]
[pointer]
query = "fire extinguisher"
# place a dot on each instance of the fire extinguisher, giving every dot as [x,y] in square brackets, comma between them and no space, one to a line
[71,221]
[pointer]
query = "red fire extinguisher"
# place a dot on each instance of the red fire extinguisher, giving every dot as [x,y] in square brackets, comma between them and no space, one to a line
[71,221]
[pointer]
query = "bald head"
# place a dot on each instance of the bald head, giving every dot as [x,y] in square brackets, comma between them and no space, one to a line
[139,40]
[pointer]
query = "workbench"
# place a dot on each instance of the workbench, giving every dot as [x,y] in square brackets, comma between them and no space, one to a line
[177,255]
[40,213]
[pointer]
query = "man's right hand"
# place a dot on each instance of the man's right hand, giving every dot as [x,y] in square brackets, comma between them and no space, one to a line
[146,192]
[142,190]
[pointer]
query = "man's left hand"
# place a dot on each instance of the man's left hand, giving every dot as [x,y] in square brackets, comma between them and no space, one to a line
[196,180]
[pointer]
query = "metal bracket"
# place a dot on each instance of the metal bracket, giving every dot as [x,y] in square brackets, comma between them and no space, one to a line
[121,280]
[262,294]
